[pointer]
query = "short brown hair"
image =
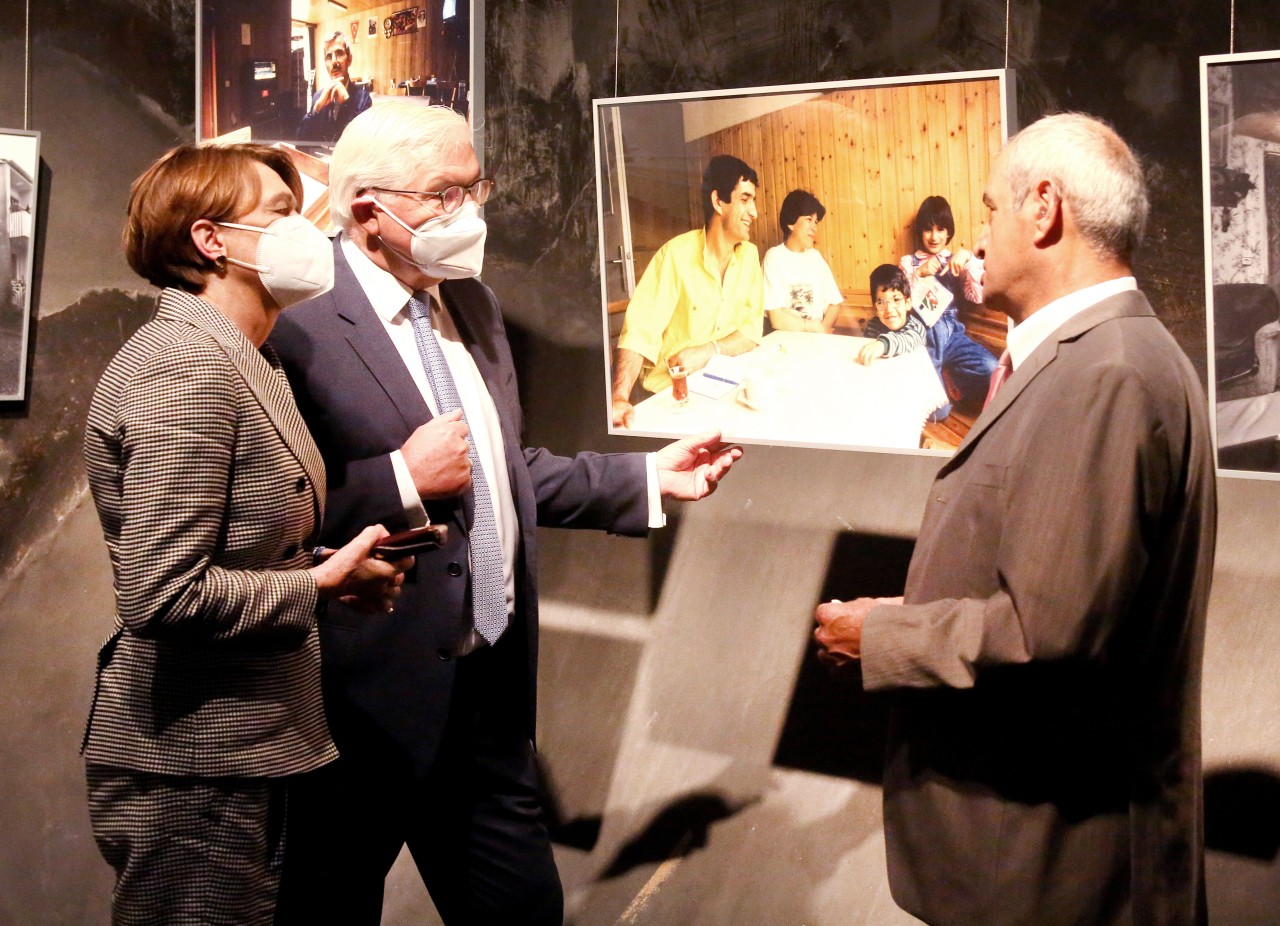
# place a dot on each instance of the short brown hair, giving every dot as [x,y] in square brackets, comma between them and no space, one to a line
[189,183]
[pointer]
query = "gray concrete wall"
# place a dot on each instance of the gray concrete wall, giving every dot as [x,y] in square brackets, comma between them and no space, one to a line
[702,769]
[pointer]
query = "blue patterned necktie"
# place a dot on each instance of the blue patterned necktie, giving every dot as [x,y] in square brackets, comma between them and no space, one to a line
[488,582]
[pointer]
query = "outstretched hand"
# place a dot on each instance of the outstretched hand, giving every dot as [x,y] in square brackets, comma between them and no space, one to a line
[691,468]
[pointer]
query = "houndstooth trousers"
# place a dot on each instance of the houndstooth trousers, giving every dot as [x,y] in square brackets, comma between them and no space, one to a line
[189,851]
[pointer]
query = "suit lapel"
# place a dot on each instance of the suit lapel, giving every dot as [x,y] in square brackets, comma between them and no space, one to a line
[262,373]
[1120,305]
[369,339]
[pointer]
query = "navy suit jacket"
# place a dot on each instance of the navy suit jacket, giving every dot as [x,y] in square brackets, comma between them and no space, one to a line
[361,404]
[328,124]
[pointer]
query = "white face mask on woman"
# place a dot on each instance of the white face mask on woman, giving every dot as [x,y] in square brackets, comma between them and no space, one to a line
[447,247]
[295,259]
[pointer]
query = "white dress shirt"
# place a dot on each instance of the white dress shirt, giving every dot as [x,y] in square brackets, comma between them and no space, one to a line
[390,300]
[1031,333]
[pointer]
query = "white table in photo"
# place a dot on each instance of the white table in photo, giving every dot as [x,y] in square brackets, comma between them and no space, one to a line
[807,389]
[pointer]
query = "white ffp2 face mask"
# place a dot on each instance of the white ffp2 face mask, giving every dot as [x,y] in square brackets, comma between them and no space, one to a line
[447,247]
[295,259]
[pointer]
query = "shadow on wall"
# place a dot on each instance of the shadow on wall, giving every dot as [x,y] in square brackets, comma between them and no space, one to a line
[833,727]
[1242,813]
[1242,843]
[40,445]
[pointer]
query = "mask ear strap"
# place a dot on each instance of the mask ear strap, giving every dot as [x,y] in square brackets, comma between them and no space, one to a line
[385,211]
[239,263]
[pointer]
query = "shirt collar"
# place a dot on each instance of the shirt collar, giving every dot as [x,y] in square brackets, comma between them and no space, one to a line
[387,295]
[1036,328]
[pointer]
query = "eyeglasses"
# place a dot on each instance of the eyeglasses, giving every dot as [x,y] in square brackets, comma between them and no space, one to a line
[451,198]
[895,299]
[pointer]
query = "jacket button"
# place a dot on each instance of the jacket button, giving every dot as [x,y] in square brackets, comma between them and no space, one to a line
[444,655]
[455,569]
[290,551]
[301,483]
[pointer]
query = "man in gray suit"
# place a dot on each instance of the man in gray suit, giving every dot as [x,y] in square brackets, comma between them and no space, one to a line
[1044,759]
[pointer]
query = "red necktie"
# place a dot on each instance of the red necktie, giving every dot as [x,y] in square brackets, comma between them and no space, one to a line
[998,376]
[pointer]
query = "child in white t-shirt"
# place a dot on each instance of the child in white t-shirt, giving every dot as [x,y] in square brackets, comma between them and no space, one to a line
[800,292]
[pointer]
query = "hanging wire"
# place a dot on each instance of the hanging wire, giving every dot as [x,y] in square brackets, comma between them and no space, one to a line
[26,92]
[617,40]
[1007,5]
[1232,47]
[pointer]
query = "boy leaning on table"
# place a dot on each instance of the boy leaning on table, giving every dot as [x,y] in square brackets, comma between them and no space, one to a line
[897,328]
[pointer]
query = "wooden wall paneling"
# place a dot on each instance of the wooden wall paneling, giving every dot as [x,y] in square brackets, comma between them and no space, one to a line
[698,152]
[961,195]
[979,151]
[851,205]
[788,141]
[824,181]
[938,181]
[875,238]
[894,161]
[921,176]
[845,184]
[987,326]
[882,229]
[906,160]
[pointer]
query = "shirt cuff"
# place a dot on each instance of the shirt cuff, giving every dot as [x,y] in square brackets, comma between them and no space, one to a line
[656,516]
[414,512]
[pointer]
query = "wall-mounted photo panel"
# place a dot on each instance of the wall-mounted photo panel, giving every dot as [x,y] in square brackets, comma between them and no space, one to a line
[740,233]
[295,72]
[1240,118]
[19,173]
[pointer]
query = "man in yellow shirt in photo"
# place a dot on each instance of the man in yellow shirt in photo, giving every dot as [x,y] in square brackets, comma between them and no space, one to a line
[701,295]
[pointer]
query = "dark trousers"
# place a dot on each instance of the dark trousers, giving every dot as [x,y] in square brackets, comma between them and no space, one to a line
[473,824]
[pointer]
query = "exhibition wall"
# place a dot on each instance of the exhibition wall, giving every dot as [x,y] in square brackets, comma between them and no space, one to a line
[702,768]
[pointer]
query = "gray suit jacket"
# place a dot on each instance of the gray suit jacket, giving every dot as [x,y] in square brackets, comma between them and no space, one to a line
[1044,762]
[210,493]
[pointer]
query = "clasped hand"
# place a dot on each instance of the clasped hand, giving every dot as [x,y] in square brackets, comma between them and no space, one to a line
[438,457]
[839,631]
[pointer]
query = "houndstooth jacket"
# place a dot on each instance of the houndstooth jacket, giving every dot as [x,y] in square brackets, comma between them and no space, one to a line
[210,493]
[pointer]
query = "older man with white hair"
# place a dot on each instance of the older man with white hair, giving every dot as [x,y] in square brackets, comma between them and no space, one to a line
[405,377]
[1045,659]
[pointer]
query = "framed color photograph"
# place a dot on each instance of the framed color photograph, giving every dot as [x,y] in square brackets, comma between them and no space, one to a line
[739,234]
[19,174]
[296,72]
[1240,118]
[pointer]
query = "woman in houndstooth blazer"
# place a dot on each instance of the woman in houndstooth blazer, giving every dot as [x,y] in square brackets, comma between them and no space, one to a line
[210,493]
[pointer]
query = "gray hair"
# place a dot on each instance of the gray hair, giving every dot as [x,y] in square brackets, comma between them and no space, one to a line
[337,36]
[385,146]
[1093,170]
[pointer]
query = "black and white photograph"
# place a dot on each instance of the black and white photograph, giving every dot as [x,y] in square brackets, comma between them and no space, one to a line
[1240,97]
[19,172]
